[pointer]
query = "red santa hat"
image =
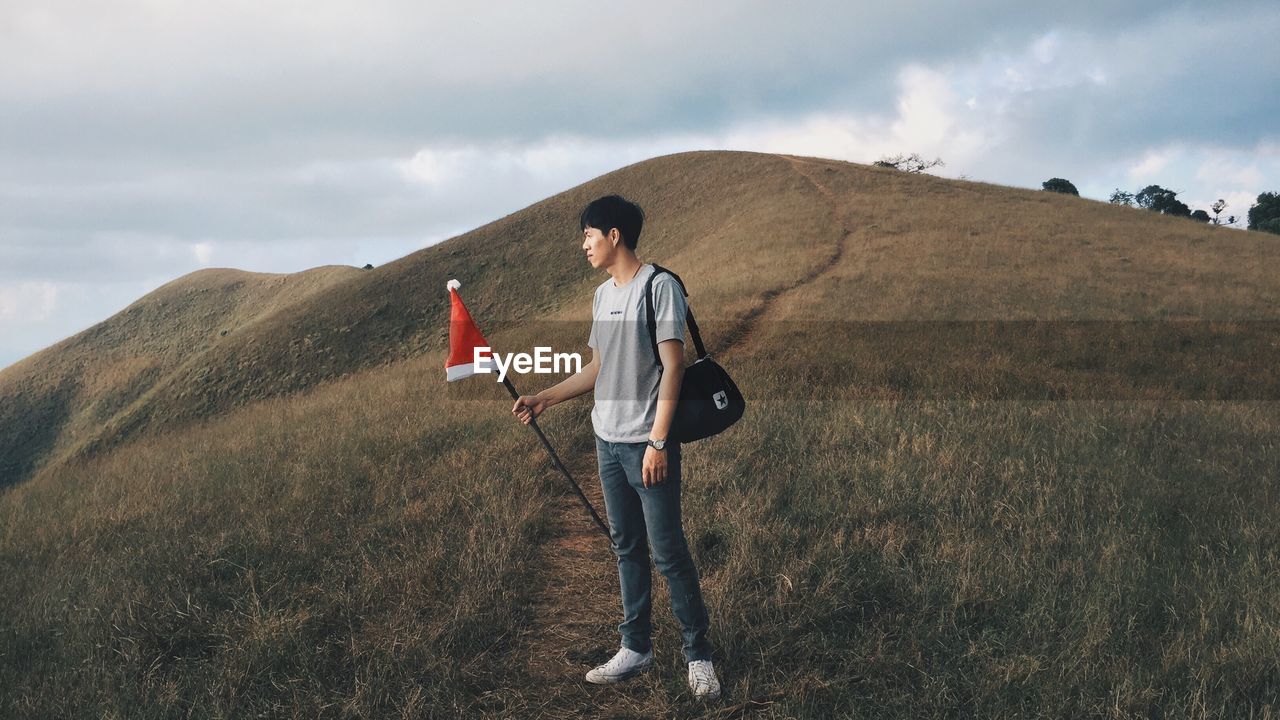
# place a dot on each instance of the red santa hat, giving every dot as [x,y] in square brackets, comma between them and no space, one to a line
[464,338]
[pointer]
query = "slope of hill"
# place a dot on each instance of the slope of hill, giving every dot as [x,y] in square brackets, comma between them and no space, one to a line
[301,518]
[392,312]
[63,394]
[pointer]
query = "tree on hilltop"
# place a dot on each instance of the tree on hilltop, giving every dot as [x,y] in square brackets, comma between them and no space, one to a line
[1122,197]
[1161,200]
[1060,185]
[1264,215]
[912,163]
[1217,209]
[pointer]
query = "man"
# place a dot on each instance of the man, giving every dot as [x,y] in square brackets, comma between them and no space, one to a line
[639,464]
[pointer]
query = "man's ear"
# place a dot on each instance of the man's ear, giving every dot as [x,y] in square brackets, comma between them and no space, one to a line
[615,237]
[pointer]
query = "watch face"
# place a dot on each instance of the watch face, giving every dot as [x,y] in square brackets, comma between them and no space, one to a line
[658,444]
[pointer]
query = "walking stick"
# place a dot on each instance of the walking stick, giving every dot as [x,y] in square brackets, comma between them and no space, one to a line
[465,339]
[559,465]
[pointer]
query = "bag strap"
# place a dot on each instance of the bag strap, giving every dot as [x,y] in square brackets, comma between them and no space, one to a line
[653,323]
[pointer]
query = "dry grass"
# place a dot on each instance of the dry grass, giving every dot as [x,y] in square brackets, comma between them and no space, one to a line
[913,519]
[310,556]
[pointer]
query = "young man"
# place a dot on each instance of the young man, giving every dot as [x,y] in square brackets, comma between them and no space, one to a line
[639,464]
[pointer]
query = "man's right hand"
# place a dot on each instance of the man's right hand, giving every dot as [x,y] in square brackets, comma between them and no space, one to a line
[528,407]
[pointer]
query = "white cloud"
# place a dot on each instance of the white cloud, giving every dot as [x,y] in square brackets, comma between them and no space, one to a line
[1222,168]
[435,166]
[924,107]
[27,303]
[203,252]
[1045,48]
[931,119]
[1151,163]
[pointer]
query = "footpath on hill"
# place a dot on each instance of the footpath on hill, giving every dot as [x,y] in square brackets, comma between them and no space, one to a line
[577,606]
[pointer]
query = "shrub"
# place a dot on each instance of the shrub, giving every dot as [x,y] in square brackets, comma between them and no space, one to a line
[1265,214]
[911,163]
[1059,185]
[1161,200]
[1122,197]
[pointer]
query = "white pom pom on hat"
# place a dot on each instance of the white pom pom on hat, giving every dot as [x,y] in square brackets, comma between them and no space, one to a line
[452,285]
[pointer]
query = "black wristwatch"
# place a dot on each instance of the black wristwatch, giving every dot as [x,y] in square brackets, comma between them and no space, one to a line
[657,444]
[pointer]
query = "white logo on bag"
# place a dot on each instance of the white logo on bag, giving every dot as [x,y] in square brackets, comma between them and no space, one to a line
[722,400]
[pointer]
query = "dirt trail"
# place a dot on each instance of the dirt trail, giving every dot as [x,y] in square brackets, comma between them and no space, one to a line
[740,335]
[577,605]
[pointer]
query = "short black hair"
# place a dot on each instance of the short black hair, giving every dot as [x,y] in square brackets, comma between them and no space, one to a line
[615,211]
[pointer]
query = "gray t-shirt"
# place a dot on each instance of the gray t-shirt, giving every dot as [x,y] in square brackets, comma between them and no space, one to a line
[626,390]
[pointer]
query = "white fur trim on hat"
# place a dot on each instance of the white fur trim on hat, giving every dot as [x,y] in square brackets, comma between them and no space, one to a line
[452,285]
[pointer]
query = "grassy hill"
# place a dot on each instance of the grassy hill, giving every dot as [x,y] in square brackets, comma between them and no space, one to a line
[1007,453]
[217,339]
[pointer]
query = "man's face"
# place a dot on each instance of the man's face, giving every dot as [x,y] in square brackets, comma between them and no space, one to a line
[598,246]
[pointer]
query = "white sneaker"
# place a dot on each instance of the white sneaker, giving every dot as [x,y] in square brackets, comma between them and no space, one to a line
[626,664]
[702,680]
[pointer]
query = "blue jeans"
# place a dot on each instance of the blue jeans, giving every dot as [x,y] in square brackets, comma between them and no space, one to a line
[641,519]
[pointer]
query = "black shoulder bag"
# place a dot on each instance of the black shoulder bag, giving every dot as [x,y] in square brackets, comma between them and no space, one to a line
[709,400]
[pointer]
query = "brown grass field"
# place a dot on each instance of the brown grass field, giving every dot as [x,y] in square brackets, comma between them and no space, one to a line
[1007,454]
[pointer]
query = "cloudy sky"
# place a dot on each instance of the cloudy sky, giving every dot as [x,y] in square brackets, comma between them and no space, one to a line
[140,141]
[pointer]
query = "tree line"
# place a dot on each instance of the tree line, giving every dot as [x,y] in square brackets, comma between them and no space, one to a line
[1264,214]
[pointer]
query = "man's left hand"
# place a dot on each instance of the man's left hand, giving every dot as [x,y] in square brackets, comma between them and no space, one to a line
[654,470]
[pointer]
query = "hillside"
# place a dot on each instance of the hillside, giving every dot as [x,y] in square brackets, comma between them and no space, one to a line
[65,393]
[215,339]
[1004,450]
[165,360]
